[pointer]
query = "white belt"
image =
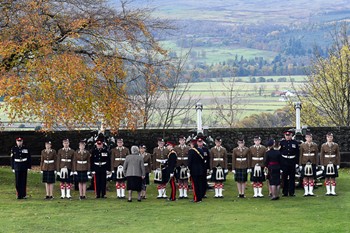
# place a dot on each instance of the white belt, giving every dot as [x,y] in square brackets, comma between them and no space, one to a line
[145,164]
[241,159]
[257,158]
[218,159]
[329,156]
[161,160]
[288,157]
[82,162]
[311,154]
[100,163]
[66,160]
[49,161]
[182,158]
[21,160]
[118,159]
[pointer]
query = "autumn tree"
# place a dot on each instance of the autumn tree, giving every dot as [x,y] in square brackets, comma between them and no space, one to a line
[66,62]
[327,88]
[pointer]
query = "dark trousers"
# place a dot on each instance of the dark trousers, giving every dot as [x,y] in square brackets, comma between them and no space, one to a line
[100,184]
[288,178]
[173,189]
[21,183]
[199,186]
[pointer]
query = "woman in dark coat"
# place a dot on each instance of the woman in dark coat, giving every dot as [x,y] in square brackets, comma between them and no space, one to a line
[272,162]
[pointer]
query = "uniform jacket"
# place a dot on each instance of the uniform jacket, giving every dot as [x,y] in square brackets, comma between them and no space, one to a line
[48,161]
[329,153]
[182,155]
[218,156]
[171,162]
[197,162]
[290,152]
[257,155]
[159,157]
[240,158]
[308,153]
[20,158]
[147,161]
[65,158]
[81,161]
[118,155]
[134,166]
[100,160]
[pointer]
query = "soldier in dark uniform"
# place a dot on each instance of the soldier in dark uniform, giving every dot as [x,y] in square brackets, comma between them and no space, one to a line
[100,168]
[48,168]
[20,163]
[240,162]
[206,154]
[289,162]
[182,172]
[81,168]
[256,166]
[118,156]
[198,168]
[218,166]
[159,159]
[148,164]
[330,162]
[170,167]
[308,162]
[64,168]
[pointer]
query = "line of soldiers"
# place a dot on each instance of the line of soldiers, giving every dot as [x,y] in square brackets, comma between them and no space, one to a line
[180,163]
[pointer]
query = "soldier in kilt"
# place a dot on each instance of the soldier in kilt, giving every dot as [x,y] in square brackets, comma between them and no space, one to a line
[48,168]
[64,168]
[308,161]
[118,156]
[330,163]
[81,168]
[257,154]
[182,173]
[148,164]
[218,165]
[159,159]
[240,156]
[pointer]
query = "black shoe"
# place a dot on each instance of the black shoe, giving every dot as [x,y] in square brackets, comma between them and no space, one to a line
[84,197]
[129,200]
[104,197]
[185,197]
[97,197]
[51,197]
[274,198]
[144,197]
[285,195]
[139,200]
[221,196]
[205,196]
[292,195]
[47,197]
[181,197]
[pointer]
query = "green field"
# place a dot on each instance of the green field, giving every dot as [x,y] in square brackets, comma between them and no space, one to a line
[230,214]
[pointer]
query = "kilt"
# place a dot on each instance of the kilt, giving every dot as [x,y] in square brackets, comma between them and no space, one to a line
[68,179]
[331,176]
[49,177]
[82,177]
[259,179]
[241,175]
[177,173]
[274,176]
[114,176]
[213,176]
[302,173]
[134,183]
[165,177]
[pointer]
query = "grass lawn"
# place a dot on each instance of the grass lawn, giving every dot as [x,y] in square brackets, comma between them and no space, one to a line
[298,214]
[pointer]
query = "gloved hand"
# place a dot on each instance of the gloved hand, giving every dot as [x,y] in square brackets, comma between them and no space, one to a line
[296,165]
[29,169]
[171,175]
[71,173]
[188,174]
[322,167]
[281,171]
[226,171]
[89,177]
[234,171]
[75,173]
[113,171]
[13,170]
[300,168]
[249,170]
[41,172]
[55,172]
[93,173]
[211,171]
[338,166]
[58,173]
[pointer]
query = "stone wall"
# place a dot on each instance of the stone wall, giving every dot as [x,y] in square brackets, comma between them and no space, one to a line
[35,140]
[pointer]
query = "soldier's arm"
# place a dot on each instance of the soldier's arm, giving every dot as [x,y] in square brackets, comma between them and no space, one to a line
[74,167]
[112,159]
[12,159]
[338,155]
[225,159]
[322,155]
[41,160]
[29,160]
[89,161]
[233,160]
